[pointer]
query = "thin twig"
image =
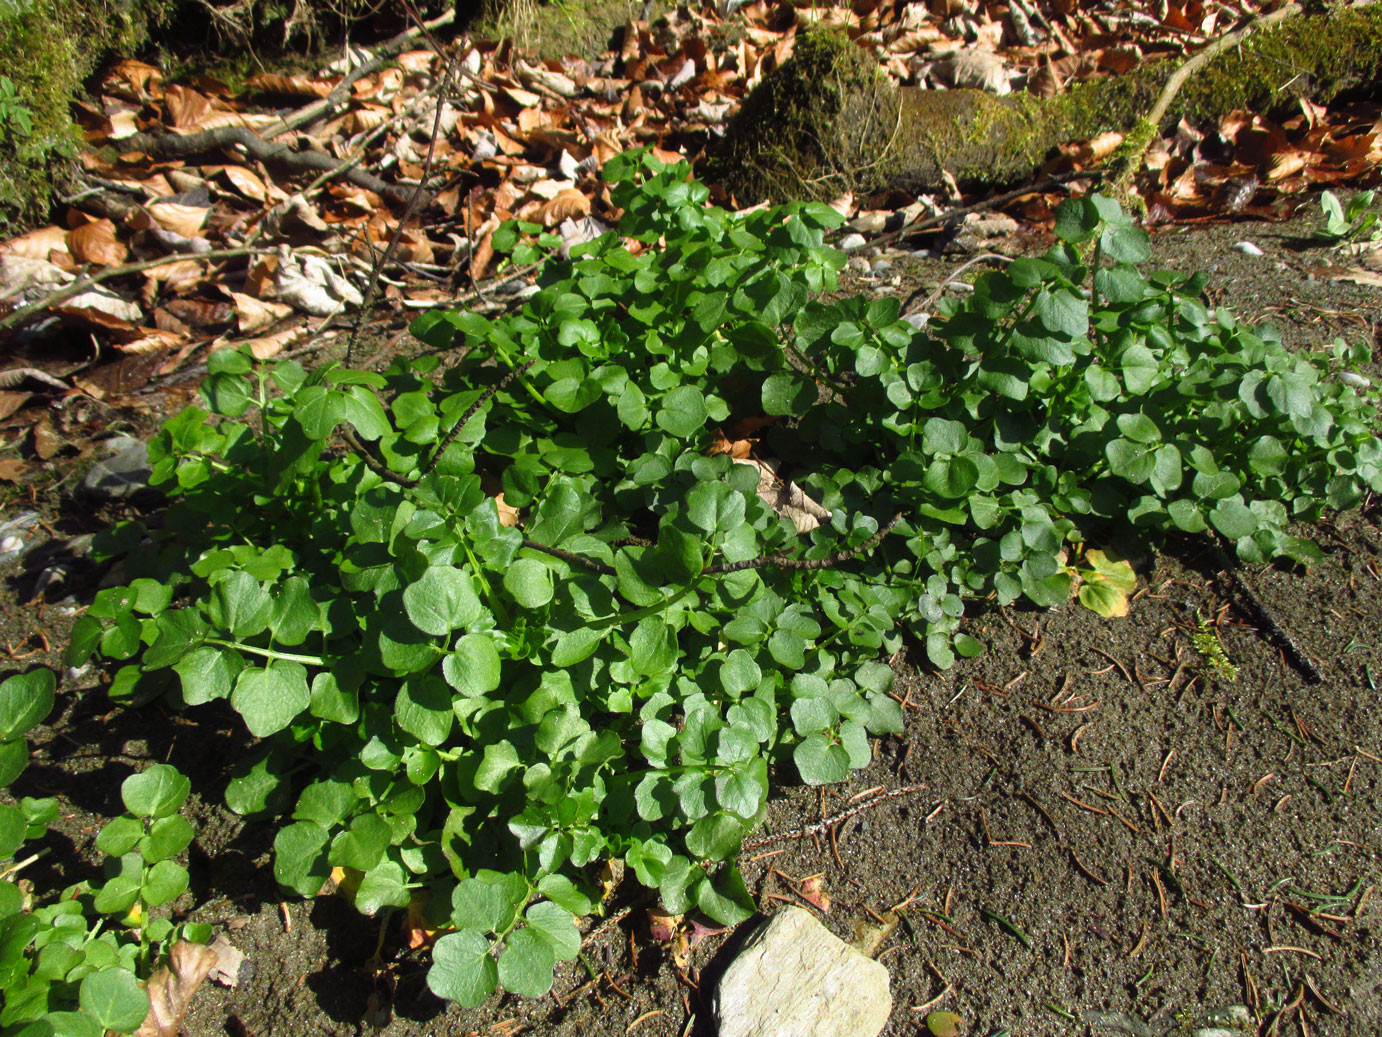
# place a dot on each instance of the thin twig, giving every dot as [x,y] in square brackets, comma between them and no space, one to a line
[810,831]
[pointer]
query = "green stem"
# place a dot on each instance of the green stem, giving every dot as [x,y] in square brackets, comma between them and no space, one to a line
[269,653]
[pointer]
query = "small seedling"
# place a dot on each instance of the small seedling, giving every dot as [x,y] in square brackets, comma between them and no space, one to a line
[1210,649]
[1351,223]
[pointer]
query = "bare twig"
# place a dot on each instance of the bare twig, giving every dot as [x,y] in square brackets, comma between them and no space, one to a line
[821,827]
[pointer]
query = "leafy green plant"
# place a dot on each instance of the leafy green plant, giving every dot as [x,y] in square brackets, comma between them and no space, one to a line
[16,119]
[1353,222]
[468,716]
[74,965]
[1205,640]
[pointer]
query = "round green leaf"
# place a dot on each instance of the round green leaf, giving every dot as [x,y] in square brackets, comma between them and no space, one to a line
[529,582]
[13,827]
[462,969]
[300,858]
[384,885]
[156,792]
[164,883]
[557,927]
[119,836]
[14,757]
[25,700]
[114,999]
[423,709]
[682,414]
[269,698]
[526,964]
[167,838]
[820,762]
[442,600]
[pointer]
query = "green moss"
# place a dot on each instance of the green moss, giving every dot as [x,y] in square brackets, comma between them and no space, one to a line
[820,125]
[824,123]
[552,28]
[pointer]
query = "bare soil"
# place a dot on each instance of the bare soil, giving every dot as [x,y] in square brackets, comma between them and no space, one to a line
[1091,830]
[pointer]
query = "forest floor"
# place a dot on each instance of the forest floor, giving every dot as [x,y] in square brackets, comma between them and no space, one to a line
[1092,829]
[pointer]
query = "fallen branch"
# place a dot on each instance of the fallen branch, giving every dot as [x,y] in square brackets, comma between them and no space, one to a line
[1128,159]
[223,137]
[23,314]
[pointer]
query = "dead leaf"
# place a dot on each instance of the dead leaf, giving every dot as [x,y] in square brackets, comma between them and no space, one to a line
[568,204]
[812,890]
[247,182]
[187,220]
[254,314]
[12,401]
[661,925]
[12,469]
[47,442]
[229,960]
[172,987]
[288,86]
[265,346]
[1356,274]
[787,499]
[96,243]
[37,244]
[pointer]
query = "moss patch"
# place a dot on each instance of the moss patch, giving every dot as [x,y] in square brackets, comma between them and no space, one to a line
[827,121]
[552,28]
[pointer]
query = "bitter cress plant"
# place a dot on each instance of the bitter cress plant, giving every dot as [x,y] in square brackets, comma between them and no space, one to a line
[452,713]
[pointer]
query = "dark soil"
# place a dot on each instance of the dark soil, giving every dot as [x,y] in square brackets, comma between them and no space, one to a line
[1090,825]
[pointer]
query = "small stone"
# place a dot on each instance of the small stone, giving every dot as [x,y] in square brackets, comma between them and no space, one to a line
[1247,248]
[879,265]
[852,241]
[1216,1031]
[859,264]
[794,977]
[123,473]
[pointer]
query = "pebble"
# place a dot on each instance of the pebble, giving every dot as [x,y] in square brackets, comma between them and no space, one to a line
[1248,248]
[850,242]
[13,532]
[859,264]
[794,977]
[122,473]
[879,265]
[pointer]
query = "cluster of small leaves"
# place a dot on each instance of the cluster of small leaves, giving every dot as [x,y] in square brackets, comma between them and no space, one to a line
[72,967]
[1356,221]
[490,712]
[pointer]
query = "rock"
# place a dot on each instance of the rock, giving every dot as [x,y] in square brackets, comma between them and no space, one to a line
[1247,248]
[851,241]
[15,534]
[123,473]
[794,977]
[1215,1031]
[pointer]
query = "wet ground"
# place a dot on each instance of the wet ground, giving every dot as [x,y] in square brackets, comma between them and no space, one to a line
[1091,828]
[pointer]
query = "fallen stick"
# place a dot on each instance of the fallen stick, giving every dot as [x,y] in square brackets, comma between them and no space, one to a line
[1128,159]
[830,822]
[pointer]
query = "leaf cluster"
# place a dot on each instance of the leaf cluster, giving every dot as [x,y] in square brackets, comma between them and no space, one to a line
[72,967]
[469,717]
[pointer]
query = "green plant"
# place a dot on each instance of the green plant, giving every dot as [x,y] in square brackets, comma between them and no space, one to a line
[470,716]
[1355,222]
[16,120]
[1205,639]
[74,965]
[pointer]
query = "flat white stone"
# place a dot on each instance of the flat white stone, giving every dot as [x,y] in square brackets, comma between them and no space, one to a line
[795,978]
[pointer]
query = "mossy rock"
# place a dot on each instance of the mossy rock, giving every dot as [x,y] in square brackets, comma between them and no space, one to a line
[828,121]
[554,28]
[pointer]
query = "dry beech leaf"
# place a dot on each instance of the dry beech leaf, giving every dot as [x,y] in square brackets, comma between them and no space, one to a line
[289,86]
[18,273]
[12,469]
[12,401]
[144,80]
[97,244]
[152,341]
[187,220]
[186,108]
[47,442]
[787,499]
[1098,148]
[253,314]
[229,960]
[247,182]
[103,308]
[37,244]
[265,346]
[569,204]
[172,987]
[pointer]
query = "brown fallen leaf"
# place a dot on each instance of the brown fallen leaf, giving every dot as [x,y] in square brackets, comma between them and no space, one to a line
[566,204]
[229,960]
[172,987]
[253,314]
[12,401]
[12,469]
[661,925]
[96,243]
[47,442]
